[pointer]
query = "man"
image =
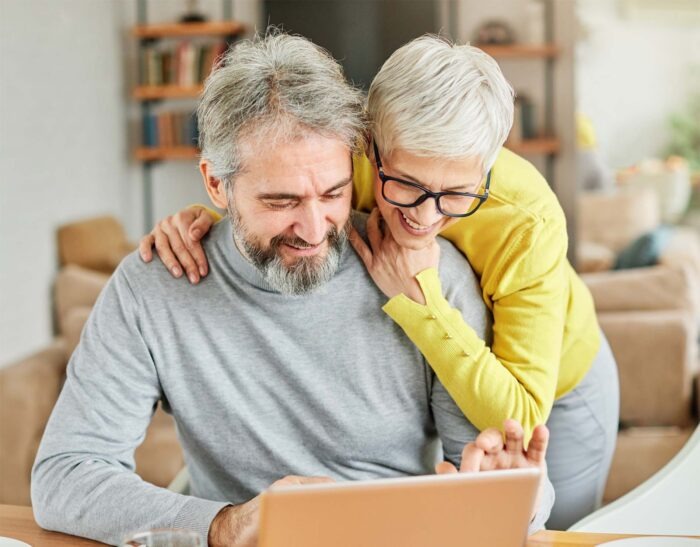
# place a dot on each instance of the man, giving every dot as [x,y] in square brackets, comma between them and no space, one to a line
[280,363]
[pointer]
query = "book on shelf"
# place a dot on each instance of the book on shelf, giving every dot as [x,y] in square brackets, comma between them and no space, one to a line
[167,129]
[185,64]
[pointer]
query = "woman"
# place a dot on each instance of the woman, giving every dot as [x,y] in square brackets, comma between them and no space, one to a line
[440,115]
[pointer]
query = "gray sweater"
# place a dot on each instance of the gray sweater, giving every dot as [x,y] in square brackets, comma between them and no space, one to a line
[261,385]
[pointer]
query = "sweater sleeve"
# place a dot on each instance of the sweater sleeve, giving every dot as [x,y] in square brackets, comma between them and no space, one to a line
[83,480]
[517,376]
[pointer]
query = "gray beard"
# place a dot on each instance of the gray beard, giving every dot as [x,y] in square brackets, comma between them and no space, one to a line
[306,274]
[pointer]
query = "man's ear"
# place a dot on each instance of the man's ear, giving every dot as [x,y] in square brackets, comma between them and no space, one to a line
[368,144]
[215,187]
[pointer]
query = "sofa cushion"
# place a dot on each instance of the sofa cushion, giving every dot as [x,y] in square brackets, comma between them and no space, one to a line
[160,457]
[616,219]
[640,453]
[593,257]
[28,391]
[73,324]
[644,251]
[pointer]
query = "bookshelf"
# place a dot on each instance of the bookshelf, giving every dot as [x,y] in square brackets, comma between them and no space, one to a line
[174,59]
[164,153]
[184,30]
[538,146]
[156,92]
[541,66]
[522,51]
[548,52]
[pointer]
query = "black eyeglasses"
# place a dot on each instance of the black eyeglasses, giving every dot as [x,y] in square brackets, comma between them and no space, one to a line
[406,193]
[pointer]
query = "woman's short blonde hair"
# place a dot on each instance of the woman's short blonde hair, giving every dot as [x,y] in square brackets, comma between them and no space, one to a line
[437,99]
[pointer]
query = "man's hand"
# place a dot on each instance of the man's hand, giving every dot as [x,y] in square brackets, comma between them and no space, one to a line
[489,452]
[237,525]
[393,268]
[177,242]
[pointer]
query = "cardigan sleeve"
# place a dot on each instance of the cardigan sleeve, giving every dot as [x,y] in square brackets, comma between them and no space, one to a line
[517,376]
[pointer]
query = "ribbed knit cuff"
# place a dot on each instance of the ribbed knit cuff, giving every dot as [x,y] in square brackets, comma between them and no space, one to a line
[197,515]
[438,330]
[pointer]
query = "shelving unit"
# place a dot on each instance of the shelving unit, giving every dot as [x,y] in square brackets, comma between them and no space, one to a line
[164,153]
[184,30]
[150,95]
[153,93]
[522,51]
[541,146]
[552,62]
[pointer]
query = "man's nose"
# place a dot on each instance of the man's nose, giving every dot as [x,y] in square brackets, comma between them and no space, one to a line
[311,225]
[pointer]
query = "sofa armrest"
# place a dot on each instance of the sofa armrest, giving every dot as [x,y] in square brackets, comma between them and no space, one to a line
[76,287]
[656,354]
[654,288]
[28,392]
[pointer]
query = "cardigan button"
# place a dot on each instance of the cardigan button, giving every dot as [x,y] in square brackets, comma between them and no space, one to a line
[447,337]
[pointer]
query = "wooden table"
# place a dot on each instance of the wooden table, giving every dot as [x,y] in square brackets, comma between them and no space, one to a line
[18,523]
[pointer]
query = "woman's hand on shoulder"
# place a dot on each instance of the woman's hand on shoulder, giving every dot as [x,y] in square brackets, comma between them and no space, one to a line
[392,267]
[177,242]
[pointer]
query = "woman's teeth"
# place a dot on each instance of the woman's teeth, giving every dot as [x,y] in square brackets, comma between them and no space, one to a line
[415,225]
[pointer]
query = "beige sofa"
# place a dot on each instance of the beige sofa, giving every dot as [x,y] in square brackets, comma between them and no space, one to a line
[650,316]
[29,388]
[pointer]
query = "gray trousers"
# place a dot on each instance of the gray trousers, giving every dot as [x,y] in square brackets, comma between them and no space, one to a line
[583,430]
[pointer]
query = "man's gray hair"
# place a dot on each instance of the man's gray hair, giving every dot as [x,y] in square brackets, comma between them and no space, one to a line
[275,88]
[437,99]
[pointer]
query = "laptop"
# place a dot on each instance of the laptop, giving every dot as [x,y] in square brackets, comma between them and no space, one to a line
[490,508]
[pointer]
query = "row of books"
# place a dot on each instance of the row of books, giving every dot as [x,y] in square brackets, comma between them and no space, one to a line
[166,129]
[187,64]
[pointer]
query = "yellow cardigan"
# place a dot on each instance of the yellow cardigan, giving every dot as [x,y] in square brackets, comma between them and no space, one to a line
[545,332]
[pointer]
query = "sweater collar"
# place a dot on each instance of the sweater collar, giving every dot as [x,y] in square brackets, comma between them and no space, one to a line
[222,233]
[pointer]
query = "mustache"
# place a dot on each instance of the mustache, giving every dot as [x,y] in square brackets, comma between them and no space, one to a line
[299,243]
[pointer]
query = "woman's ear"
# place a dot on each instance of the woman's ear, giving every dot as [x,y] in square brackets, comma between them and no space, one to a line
[215,186]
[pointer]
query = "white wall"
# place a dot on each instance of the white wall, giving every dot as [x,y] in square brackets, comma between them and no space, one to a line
[631,75]
[62,147]
[66,126]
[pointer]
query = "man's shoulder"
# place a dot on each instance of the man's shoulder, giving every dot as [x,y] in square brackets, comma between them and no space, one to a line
[453,264]
[138,272]
[146,278]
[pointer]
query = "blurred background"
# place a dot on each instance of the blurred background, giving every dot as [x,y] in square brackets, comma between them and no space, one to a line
[98,141]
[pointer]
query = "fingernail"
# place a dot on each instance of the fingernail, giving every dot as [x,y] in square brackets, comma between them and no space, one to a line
[196,233]
[177,272]
[202,271]
[193,278]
